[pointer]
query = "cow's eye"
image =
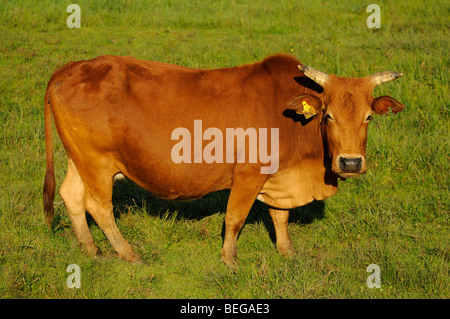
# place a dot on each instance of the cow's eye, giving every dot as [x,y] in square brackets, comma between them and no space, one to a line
[369,118]
[327,118]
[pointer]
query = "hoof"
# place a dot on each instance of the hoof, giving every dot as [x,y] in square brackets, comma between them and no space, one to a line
[286,251]
[92,251]
[229,261]
[132,258]
[289,252]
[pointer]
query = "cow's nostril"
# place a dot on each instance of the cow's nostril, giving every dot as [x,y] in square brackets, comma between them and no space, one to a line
[342,163]
[350,165]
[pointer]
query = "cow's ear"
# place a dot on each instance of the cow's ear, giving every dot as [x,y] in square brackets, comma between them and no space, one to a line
[305,104]
[382,104]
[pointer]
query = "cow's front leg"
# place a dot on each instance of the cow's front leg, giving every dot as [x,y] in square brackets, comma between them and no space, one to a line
[280,219]
[245,187]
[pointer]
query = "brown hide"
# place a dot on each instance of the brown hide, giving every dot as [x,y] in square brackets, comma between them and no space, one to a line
[123,111]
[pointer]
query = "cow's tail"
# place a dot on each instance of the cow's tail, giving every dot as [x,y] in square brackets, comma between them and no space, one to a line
[49,183]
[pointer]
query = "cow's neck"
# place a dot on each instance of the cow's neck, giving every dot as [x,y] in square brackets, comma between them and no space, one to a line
[304,173]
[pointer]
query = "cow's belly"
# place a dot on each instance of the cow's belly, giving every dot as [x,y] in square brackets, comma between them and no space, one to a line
[179,181]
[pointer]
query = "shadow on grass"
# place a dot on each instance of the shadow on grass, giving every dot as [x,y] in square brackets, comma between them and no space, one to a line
[127,194]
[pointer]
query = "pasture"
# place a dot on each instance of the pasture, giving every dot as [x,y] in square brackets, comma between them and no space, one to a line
[395,216]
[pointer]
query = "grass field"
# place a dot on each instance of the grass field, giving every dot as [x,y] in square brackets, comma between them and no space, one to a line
[395,216]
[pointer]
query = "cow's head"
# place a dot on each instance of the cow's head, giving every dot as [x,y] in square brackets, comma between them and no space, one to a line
[345,109]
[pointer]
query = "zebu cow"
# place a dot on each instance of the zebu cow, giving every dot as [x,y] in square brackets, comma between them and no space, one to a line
[116,116]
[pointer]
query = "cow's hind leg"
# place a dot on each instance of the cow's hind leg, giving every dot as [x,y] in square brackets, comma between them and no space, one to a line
[99,204]
[73,194]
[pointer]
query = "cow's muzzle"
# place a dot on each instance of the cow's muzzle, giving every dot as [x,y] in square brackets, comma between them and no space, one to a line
[350,165]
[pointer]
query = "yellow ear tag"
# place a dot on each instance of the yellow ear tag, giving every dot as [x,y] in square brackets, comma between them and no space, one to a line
[308,110]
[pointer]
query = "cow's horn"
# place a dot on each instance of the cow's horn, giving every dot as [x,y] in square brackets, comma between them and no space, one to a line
[317,76]
[383,77]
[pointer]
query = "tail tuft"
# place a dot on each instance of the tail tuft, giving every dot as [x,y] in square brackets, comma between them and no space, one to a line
[49,183]
[49,196]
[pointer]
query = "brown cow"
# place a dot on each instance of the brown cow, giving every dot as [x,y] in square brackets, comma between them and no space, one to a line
[116,117]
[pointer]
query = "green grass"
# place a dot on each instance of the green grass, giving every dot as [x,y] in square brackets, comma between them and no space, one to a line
[395,216]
